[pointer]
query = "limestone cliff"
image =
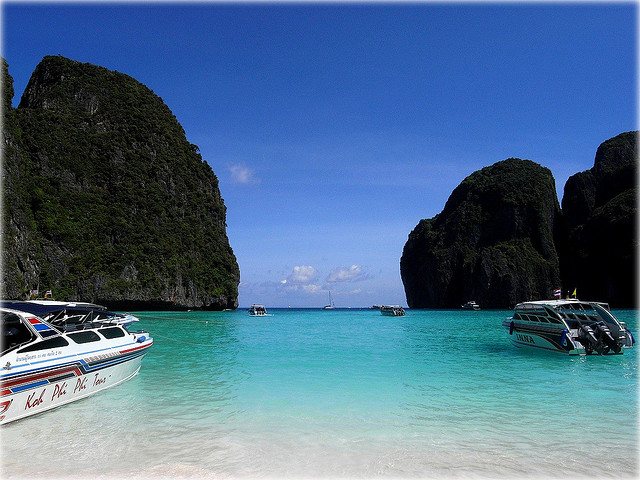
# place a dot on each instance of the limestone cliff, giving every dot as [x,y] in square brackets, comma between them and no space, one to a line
[598,255]
[105,200]
[492,243]
[502,239]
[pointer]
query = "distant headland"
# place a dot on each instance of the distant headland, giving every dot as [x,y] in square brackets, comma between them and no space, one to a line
[502,237]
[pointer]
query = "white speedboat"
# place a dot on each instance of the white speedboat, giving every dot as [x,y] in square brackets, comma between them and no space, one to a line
[258,311]
[392,310]
[43,366]
[569,326]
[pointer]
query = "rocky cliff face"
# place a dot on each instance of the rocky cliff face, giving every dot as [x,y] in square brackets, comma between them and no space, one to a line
[502,239]
[105,200]
[493,242]
[598,255]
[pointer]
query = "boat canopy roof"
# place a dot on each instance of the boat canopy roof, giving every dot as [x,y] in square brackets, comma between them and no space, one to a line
[571,303]
[44,308]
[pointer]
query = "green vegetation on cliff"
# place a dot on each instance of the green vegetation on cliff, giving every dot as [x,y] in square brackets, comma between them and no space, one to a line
[106,200]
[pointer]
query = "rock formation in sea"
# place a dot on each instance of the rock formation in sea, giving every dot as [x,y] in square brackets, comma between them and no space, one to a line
[599,253]
[105,200]
[502,238]
[492,243]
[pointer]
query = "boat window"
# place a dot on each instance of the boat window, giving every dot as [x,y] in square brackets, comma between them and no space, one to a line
[48,333]
[84,337]
[543,320]
[48,344]
[553,320]
[14,332]
[532,318]
[112,332]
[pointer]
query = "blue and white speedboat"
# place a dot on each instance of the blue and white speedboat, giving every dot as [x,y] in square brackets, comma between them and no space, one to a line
[568,326]
[43,366]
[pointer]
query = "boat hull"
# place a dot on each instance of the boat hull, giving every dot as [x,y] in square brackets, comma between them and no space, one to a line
[392,311]
[554,341]
[26,391]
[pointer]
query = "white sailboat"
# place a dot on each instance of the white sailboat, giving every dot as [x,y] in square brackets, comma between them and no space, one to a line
[330,306]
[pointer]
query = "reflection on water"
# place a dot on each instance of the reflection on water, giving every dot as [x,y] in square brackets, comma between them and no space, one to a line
[341,394]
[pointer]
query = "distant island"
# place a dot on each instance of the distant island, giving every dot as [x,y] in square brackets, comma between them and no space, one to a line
[105,200]
[502,237]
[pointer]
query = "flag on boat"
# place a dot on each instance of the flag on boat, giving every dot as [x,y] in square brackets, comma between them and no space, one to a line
[48,293]
[34,292]
[557,293]
[574,293]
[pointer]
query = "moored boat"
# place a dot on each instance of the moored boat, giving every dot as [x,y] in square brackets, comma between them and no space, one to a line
[257,310]
[330,305]
[471,305]
[392,310]
[568,326]
[43,366]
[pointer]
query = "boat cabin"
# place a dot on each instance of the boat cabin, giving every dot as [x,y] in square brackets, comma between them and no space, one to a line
[570,313]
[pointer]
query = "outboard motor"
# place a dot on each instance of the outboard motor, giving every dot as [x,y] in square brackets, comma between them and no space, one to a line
[587,339]
[606,341]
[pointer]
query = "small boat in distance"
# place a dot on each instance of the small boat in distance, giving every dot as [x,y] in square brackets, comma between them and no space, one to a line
[568,326]
[471,305]
[258,310]
[392,310]
[330,306]
[44,366]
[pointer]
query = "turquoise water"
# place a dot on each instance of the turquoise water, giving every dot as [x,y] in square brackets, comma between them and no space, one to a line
[342,394]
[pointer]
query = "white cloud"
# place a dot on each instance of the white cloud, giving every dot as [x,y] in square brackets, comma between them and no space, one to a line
[353,273]
[312,288]
[243,175]
[301,275]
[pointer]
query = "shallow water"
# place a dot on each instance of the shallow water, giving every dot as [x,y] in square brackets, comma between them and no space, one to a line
[342,394]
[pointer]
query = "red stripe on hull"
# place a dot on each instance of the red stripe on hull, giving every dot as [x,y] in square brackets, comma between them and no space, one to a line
[39,376]
[136,348]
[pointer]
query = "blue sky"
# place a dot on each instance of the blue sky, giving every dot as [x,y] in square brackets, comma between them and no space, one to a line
[335,127]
